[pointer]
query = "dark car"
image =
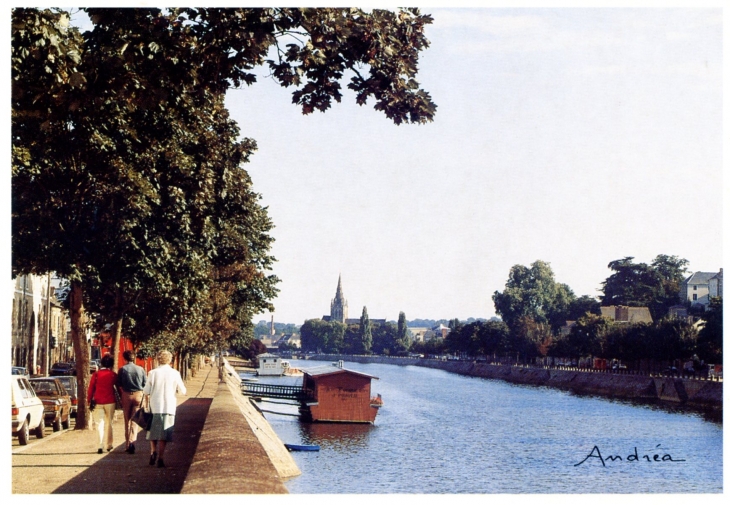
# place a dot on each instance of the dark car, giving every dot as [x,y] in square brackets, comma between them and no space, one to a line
[71,386]
[56,401]
[63,369]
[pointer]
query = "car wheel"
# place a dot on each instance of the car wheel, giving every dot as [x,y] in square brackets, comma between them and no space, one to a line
[57,425]
[67,422]
[40,431]
[23,433]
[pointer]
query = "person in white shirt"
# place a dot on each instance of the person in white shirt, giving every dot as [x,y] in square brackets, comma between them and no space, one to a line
[162,384]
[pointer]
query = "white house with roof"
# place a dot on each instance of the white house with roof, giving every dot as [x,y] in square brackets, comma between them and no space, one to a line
[698,288]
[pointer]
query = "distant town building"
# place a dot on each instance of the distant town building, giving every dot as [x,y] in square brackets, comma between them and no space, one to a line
[698,288]
[424,334]
[338,310]
[624,314]
[292,339]
[40,325]
[338,306]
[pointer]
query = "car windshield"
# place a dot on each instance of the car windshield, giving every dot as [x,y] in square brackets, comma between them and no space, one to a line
[44,387]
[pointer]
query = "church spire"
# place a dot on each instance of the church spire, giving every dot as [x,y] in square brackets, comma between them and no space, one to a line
[338,308]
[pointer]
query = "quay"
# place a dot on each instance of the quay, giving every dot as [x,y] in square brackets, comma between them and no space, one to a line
[695,394]
[221,445]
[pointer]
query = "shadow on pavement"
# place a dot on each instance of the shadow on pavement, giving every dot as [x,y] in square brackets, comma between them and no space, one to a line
[122,473]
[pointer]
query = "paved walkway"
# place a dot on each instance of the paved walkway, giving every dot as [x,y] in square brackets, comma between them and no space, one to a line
[67,461]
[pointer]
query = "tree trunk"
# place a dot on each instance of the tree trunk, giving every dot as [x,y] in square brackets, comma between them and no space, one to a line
[117,328]
[81,351]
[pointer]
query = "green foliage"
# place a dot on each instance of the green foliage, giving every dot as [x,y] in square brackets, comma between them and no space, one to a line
[533,292]
[323,336]
[126,169]
[709,341]
[384,339]
[365,343]
[655,286]
[479,338]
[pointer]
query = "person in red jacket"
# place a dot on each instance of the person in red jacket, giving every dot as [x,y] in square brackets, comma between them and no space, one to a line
[101,390]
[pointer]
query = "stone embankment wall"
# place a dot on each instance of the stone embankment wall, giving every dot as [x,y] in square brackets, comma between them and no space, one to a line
[694,393]
[238,451]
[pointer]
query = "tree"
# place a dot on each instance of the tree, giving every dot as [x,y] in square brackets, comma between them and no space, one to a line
[384,339]
[402,341]
[709,340]
[581,306]
[106,129]
[655,286]
[587,337]
[366,333]
[533,292]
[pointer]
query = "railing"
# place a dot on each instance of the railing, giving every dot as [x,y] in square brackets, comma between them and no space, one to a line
[274,391]
[679,374]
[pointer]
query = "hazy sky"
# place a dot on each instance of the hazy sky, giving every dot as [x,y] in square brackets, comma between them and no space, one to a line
[573,136]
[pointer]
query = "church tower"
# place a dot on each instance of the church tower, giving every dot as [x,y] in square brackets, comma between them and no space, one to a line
[338,307]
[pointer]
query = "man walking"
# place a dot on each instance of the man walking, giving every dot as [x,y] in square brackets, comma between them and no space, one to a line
[131,379]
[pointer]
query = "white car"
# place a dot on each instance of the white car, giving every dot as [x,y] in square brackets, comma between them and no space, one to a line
[27,410]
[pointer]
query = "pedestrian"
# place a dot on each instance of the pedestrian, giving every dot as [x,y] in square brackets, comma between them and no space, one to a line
[162,384]
[131,379]
[101,392]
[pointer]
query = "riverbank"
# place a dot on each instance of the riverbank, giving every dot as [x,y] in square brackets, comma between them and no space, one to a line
[221,445]
[705,396]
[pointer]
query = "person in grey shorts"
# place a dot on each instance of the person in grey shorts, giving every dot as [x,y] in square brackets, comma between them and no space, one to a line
[131,379]
[162,384]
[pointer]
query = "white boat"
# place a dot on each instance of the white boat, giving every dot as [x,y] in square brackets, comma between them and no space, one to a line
[271,364]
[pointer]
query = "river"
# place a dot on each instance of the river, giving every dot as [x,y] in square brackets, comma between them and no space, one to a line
[440,432]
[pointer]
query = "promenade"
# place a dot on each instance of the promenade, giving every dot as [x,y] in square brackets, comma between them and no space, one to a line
[67,461]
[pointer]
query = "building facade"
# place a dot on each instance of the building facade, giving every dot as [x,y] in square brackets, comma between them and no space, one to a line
[338,306]
[39,335]
[700,287]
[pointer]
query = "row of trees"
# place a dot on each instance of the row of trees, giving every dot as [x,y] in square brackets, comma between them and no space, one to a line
[534,306]
[127,175]
[363,338]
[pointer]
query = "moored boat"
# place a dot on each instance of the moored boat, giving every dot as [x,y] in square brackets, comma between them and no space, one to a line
[299,447]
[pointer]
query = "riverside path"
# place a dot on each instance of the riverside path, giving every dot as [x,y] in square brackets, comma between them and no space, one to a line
[67,462]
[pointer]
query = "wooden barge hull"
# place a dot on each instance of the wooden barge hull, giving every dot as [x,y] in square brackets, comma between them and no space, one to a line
[337,395]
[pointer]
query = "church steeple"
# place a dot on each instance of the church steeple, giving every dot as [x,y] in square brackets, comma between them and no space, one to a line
[338,307]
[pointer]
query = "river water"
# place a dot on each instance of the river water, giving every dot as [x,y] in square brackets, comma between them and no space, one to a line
[440,432]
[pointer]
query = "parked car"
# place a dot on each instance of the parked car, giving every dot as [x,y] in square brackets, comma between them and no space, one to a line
[56,401]
[63,369]
[20,370]
[94,366]
[72,386]
[27,410]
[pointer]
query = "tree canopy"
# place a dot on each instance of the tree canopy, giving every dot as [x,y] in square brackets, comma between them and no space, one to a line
[533,292]
[655,286]
[127,174]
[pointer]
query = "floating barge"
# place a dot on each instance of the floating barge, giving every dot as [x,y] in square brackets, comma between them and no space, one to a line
[338,395]
[328,393]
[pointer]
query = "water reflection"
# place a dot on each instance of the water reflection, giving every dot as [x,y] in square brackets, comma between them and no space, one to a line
[445,433]
[336,435]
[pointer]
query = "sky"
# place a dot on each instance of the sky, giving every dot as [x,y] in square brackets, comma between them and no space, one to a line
[572,136]
[576,136]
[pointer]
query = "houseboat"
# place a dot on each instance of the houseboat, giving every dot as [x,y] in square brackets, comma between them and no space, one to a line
[335,394]
[271,364]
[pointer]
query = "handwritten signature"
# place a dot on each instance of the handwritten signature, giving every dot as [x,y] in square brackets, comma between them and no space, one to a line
[631,457]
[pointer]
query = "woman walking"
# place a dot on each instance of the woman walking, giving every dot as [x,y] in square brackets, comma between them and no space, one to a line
[162,384]
[101,392]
